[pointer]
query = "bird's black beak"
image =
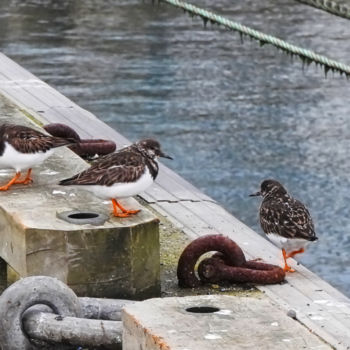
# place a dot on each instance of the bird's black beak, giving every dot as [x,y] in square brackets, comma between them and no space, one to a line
[163,155]
[255,194]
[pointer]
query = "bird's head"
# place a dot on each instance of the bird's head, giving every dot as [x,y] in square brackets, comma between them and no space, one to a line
[269,187]
[151,148]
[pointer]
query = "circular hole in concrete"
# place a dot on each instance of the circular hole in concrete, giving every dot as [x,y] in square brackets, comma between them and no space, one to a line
[203,309]
[83,216]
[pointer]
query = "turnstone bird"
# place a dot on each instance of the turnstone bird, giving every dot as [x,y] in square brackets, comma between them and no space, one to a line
[285,220]
[22,148]
[123,174]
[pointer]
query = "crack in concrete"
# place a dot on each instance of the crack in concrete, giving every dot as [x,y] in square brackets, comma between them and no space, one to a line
[179,201]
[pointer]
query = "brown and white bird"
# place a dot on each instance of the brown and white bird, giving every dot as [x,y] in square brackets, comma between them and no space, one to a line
[123,174]
[285,220]
[21,148]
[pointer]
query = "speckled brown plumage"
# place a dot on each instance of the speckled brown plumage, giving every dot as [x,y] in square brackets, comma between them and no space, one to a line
[285,220]
[122,174]
[126,165]
[284,215]
[22,148]
[28,140]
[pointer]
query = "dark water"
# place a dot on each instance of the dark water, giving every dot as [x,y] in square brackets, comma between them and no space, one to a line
[231,114]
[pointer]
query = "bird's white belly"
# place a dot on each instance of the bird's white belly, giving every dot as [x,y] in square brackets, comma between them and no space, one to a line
[121,190]
[288,244]
[11,158]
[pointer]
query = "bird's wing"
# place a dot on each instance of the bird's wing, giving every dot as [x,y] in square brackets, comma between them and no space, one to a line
[121,167]
[289,219]
[27,140]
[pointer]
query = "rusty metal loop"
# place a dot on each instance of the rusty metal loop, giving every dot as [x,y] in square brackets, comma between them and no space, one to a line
[61,130]
[91,147]
[85,148]
[228,265]
[215,270]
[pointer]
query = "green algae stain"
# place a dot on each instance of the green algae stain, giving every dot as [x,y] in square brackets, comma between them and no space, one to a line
[31,117]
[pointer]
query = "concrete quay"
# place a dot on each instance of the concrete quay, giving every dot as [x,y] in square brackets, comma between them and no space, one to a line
[321,310]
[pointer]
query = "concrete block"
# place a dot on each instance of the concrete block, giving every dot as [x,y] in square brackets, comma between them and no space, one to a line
[116,259]
[223,322]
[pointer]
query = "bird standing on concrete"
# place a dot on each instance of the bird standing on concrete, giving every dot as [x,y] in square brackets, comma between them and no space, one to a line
[285,220]
[123,174]
[22,148]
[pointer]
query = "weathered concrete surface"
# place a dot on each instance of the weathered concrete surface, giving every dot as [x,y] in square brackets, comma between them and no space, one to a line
[241,323]
[117,259]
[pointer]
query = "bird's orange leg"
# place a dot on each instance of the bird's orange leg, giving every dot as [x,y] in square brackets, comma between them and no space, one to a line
[290,255]
[115,210]
[125,213]
[125,210]
[13,181]
[27,180]
[286,268]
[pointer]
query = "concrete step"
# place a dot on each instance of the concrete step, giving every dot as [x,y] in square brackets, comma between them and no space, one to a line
[213,322]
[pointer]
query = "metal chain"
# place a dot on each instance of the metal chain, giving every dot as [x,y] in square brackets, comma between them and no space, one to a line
[307,56]
[329,6]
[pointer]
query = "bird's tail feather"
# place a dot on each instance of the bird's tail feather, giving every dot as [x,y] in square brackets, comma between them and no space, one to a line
[67,182]
[59,142]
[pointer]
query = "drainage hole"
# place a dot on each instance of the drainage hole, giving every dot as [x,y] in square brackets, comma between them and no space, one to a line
[83,215]
[202,309]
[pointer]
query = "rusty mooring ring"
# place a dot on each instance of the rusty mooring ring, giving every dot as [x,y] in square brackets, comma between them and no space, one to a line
[229,265]
[84,148]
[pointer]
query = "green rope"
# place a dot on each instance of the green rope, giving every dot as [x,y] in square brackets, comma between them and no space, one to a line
[329,6]
[306,56]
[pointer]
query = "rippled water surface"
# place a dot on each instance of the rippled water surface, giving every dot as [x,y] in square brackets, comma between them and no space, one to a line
[231,114]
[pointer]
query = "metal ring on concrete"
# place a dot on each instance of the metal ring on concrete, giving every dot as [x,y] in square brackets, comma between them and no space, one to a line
[88,148]
[22,295]
[95,308]
[50,329]
[84,148]
[103,309]
[228,265]
[62,130]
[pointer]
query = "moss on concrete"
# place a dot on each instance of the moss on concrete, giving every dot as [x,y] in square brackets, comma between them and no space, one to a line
[172,243]
[31,117]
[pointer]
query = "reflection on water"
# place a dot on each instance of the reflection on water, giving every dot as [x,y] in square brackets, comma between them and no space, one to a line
[230,114]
